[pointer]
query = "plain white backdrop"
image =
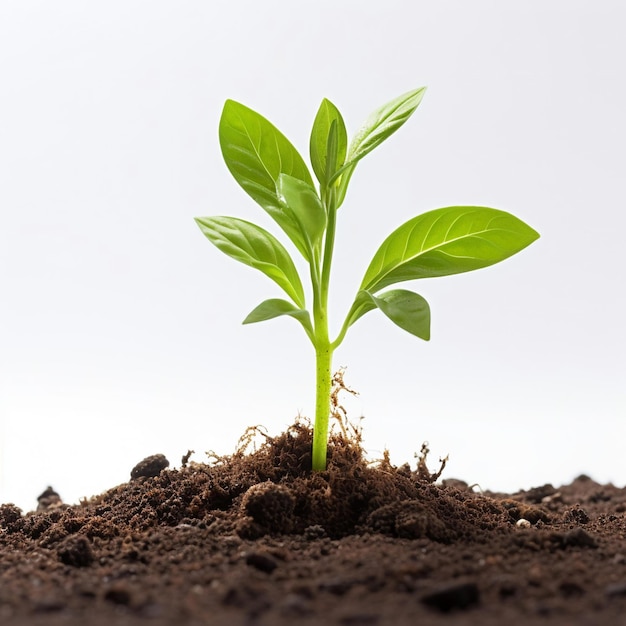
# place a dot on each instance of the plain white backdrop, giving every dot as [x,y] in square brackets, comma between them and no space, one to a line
[120,329]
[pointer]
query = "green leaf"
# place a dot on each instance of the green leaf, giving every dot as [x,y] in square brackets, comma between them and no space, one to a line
[301,200]
[256,153]
[447,241]
[383,123]
[342,182]
[275,307]
[254,246]
[380,125]
[406,309]
[328,115]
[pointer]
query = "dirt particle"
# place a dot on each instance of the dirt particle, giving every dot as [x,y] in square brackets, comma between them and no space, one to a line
[409,520]
[11,517]
[76,551]
[270,506]
[616,590]
[49,605]
[261,561]
[507,587]
[315,532]
[537,495]
[49,500]
[150,466]
[247,597]
[118,595]
[571,589]
[296,605]
[337,586]
[520,510]
[576,515]
[579,538]
[454,596]
[185,458]
[231,541]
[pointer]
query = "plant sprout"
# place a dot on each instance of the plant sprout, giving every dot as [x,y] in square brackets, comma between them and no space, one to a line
[437,243]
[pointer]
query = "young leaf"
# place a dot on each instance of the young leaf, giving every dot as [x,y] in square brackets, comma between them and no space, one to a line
[380,125]
[301,200]
[275,307]
[256,153]
[383,123]
[404,308]
[327,114]
[447,241]
[407,310]
[342,182]
[254,246]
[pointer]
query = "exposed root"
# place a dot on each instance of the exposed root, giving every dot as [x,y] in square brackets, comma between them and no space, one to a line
[248,444]
[186,457]
[423,473]
[384,464]
[249,441]
[338,412]
[214,458]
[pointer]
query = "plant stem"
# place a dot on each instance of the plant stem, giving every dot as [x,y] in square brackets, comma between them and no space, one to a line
[323,364]
[323,348]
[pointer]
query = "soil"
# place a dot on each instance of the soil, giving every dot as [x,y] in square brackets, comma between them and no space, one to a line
[257,539]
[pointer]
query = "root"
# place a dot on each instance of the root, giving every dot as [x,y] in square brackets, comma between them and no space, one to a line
[423,473]
[248,442]
[338,412]
[186,457]
[214,459]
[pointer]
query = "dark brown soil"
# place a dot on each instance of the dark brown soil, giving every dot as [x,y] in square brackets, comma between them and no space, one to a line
[256,539]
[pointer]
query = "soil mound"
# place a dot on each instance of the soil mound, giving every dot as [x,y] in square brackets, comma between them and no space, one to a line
[256,537]
[272,491]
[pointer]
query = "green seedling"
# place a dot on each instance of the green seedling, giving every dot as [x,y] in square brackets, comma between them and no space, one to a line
[437,243]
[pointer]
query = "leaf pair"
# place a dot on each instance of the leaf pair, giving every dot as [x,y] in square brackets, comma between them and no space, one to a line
[268,167]
[442,242]
[332,160]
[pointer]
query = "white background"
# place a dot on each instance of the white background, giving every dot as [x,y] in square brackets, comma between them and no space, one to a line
[120,329]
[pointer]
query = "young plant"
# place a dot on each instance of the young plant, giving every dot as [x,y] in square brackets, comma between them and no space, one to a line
[437,243]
